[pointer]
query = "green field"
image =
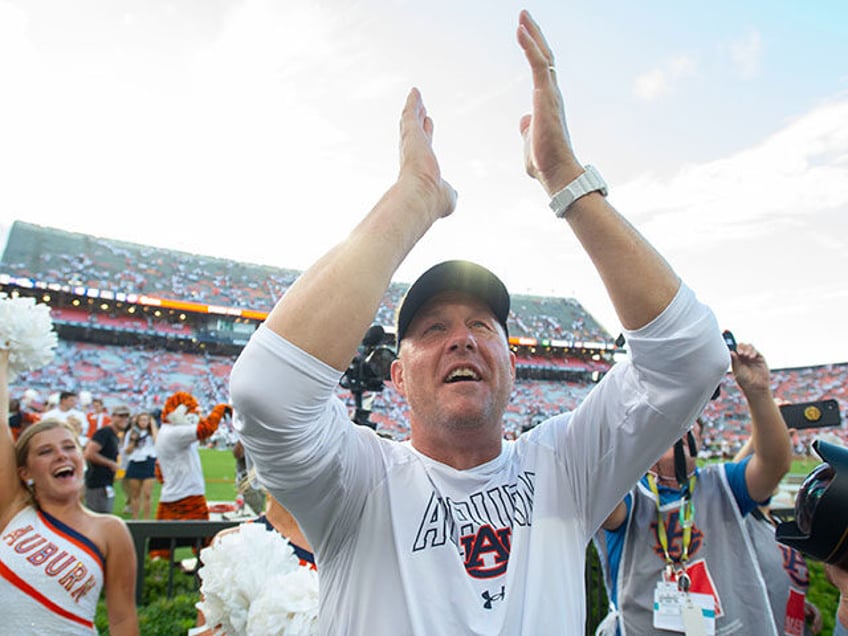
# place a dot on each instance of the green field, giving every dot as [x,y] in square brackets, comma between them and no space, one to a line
[219,469]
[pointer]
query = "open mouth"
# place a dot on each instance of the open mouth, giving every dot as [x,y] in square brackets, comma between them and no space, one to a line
[66,472]
[462,374]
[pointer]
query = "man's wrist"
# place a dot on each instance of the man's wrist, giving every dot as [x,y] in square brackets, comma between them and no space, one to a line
[566,173]
[422,202]
[588,182]
[755,393]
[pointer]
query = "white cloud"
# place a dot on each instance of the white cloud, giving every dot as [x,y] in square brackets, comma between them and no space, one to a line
[681,66]
[746,54]
[795,173]
[761,235]
[650,85]
[656,82]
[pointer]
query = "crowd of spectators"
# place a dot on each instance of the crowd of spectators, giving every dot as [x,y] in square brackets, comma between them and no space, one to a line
[81,260]
[136,376]
[143,377]
[726,417]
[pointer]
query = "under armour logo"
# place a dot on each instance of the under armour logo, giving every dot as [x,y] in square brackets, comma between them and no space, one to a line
[491,599]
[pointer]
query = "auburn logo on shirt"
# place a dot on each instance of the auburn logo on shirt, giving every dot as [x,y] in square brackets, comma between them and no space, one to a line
[479,525]
[486,552]
[674,531]
[795,566]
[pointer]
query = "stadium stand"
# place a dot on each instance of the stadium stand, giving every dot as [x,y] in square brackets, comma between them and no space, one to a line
[141,376]
[123,340]
[88,262]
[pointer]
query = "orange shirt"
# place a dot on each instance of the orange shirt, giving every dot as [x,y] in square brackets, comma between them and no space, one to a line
[97,420]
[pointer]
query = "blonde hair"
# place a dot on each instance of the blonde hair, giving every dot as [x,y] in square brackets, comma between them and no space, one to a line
[25,439]
[139,415]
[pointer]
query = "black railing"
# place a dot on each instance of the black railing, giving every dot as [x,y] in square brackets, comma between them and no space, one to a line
[170,535]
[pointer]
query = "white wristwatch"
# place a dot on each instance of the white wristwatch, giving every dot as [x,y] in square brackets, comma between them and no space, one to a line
[590,181]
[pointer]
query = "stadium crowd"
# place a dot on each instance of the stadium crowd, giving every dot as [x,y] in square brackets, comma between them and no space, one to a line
[81,260]
[143,377]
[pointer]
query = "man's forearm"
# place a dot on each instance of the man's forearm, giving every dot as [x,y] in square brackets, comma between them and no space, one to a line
[638,280]
[770,438]
[771,446]
[640,283]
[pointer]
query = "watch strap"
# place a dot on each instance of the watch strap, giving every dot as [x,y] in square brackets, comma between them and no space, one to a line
[590,181]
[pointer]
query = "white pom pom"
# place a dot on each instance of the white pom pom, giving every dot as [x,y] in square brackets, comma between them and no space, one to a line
[288,606]
[26,330]
[253,584]
[31,396]
[85,398]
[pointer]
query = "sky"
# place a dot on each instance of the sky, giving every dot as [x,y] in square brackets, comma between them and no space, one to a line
[264,131]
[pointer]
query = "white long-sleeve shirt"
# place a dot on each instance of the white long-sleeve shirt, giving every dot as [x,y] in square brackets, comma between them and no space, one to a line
[407,545]
[182,473]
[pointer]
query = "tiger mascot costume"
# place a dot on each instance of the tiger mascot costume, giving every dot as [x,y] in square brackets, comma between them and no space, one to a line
[183,493]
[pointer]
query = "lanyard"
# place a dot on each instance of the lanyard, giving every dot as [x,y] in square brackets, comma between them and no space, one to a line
[687,519]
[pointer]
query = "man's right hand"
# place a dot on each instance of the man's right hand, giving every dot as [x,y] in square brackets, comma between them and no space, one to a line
[750,369]
[419,168]
[548,155]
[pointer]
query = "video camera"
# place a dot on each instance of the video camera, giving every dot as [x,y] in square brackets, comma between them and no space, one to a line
[820,527]
[369,370]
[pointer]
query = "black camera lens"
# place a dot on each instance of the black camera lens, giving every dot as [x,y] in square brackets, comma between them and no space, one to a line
[810,494]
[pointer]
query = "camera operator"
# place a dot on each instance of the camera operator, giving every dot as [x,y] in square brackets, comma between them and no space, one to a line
[658,553]
[368,372]
[821,518]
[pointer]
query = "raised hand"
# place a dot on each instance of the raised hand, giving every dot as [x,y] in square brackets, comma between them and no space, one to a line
[750,369]
[418,164]
[548,155]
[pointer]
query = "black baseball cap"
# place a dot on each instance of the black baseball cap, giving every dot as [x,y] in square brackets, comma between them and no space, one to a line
[458,275]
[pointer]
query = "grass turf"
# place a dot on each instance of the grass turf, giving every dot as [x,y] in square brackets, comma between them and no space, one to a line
[219,468]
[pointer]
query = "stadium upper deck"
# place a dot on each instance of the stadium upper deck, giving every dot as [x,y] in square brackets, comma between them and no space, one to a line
[88,262]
